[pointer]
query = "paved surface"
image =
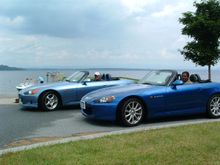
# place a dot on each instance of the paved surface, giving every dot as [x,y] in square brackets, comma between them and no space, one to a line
[18,124]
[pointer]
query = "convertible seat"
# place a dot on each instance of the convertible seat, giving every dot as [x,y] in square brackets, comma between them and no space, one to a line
[108,77]
[200,80]
[193,78]
[196,78]
[103,77]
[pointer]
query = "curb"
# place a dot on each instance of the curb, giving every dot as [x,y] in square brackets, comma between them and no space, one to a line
[99,135]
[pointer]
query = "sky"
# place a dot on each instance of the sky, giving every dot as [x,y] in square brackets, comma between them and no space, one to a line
[93,34]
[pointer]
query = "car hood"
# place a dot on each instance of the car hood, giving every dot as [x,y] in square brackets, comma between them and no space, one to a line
[50,85]
[119,91]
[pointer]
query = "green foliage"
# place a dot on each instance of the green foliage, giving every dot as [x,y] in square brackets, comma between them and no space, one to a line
[203,26]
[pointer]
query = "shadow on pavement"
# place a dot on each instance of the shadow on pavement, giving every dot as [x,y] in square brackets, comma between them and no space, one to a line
[145,122]
[66,108]
[174,119]
[101,123]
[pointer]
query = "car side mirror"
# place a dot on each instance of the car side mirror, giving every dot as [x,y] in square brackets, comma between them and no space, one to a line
[86,80]
[177,82]
[41,79]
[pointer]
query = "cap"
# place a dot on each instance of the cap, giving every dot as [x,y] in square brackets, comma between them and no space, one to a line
[97,74]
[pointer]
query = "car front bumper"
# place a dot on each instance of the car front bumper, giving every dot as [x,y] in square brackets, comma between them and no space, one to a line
[28,101]
[100,111]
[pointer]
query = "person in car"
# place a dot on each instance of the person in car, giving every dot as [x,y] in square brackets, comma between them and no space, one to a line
[97,76]
[185,78]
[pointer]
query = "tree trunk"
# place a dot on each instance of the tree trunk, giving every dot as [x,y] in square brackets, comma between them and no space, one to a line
[209,72]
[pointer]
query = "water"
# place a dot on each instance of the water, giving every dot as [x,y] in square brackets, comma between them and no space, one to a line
[10,79]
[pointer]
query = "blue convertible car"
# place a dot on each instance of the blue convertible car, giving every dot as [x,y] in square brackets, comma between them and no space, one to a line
[160,93]
[69,92]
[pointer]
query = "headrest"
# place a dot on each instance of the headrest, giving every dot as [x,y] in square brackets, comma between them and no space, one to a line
[103,76]
[108,77]
[193,78]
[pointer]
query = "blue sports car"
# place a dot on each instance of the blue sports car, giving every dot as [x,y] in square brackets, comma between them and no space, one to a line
[160,93]
[69,92]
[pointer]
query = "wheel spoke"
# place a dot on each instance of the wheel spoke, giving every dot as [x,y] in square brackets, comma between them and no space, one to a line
[138,113]
[129,106]
[127,115]
[54,103]
[133,104]
[48,97]
[132,120]
[138,109]
[137,105]
[137,116]
[129,119]
[127,111]
[52,97]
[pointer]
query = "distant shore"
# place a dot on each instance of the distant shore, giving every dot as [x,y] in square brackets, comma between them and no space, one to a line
[8,68]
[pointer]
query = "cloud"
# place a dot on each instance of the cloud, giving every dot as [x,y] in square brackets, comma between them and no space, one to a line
[68,19]
[167,10]
[15,22]
[92,33]
[171,9]
[136,6]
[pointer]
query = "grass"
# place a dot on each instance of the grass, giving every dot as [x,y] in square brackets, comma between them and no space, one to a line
[187,145]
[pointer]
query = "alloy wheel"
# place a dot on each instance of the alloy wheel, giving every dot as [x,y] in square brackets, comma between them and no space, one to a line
[51,101]
[133,112]
[215,106]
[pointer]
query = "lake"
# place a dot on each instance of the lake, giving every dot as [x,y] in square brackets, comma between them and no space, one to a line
[10,79]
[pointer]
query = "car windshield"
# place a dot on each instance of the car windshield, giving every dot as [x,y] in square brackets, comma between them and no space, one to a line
[76,77]
[156,78]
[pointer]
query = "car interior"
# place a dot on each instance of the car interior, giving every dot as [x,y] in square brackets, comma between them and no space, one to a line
[104,77]
[194,78]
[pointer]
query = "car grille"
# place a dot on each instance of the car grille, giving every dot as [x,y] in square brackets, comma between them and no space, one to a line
[88,110]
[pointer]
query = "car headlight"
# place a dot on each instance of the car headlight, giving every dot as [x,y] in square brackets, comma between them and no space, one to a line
[32,92]
[106,99]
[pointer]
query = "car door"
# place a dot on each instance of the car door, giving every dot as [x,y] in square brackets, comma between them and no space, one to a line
[183,97]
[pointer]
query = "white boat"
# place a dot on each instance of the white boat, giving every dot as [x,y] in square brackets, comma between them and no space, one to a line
[24,85]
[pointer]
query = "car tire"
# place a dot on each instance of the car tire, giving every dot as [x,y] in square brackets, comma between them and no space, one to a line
[49,101]
[131,112]
[213,108]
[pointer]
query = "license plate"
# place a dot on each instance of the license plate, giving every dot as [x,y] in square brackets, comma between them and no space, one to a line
[83,105]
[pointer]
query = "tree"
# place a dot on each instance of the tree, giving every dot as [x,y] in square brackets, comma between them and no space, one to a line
[203,26]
